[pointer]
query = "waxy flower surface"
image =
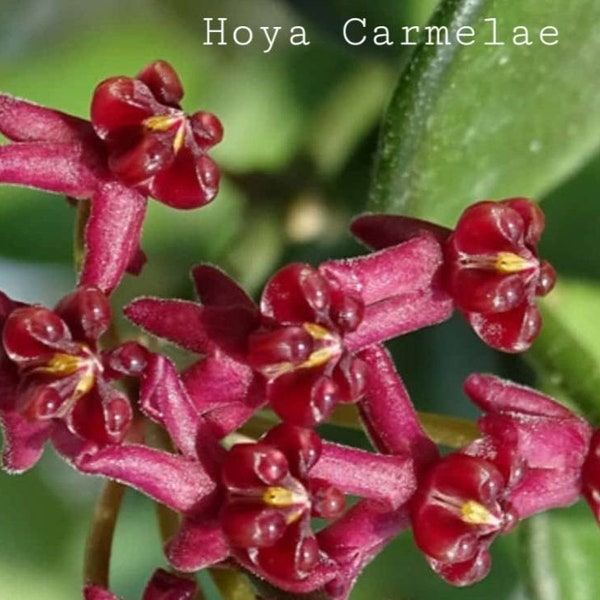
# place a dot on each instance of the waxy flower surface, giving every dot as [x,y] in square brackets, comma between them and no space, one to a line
[528,460]
[254,502]
[52,379]
[298,348]
[491,267]
[138,143]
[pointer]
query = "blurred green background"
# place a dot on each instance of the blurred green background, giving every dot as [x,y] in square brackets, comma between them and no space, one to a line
[301,127]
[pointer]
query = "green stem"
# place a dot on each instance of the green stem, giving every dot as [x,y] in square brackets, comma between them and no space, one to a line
[100,536]
[233,585]
[443,430]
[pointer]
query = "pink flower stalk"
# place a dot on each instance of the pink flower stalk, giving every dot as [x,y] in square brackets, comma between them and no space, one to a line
[162,586]
[529,460]
[54,383]
[491,268]
[254,503]
[299,348]
[138,143]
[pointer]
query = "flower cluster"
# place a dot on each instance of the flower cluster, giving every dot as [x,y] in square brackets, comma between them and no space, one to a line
[313,342]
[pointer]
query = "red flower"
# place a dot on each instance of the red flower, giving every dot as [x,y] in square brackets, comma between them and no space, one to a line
[54,382]
[491,267]
[253,503]
[139,143]
[298,348]
[152,144]
[528,460]
[460,507]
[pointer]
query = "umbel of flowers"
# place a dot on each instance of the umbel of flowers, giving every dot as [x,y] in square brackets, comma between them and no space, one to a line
[313,341]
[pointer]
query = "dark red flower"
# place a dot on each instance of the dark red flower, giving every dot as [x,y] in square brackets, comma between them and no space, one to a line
[298,348]
[253,503]
[139,143]
[491,267]
[529,459]
[270,500]
[53,378]
[152,144]
[459,508]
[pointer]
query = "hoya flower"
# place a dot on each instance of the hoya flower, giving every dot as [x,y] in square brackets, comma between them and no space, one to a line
[528,460]
[491,266]
[53,380]
[138,143]
[254,502]
[299,348]
[162,586]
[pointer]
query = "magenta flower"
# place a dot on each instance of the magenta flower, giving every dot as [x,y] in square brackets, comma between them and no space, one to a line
[254,503]
[491,268]
[529,460]
[298,349]
[138,143]
[54,383]
[162,586]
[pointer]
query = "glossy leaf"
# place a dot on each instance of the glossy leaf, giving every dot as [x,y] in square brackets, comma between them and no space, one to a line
[567,353]
[481,121]
[562,555]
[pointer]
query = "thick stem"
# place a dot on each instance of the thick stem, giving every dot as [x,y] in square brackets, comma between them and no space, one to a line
[100,536]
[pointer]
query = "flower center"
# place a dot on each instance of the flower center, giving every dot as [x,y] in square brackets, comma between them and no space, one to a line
[52,400]
[163,123]
[503,263]
[474,513]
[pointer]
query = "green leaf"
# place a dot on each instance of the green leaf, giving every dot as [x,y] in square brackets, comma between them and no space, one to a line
[470,122]
[566,355]
[561,555]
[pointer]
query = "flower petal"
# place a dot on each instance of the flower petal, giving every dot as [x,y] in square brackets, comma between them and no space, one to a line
[24,121]
[388,413]
[199,543]
[192,326]
[162,394]
[380,231]
[23,441]
[112,235]
[215,288]
[493,394]
[356,538]
[225,391]
[177,482]
[387,479]
[52,167]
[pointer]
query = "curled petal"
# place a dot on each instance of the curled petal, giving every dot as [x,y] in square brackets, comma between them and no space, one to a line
[111,235]
[380,231]
[23,441]
[388,413]
[47,166]
[226,392]
[163,396]
[510,331]
[199,543]
[177,482]
[215,288]
[23,121]
[388,479]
